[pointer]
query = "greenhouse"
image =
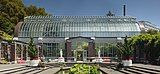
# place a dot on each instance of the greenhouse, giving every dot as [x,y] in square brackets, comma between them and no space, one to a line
[76,33]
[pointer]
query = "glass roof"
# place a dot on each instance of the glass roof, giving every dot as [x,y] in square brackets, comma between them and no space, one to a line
[73,26]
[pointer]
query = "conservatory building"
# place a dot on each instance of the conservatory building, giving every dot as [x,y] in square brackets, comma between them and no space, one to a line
[76,35]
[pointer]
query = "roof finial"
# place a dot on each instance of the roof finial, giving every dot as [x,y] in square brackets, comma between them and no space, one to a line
[110,14]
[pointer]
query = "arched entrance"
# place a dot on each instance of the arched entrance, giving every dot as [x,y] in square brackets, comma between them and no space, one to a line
[80,48]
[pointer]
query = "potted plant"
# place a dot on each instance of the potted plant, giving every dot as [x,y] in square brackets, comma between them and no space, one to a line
[126,52]
[33,54]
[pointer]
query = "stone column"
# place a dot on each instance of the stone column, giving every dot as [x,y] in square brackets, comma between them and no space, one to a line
[24,52]
[27,57]
[38,51]
[22,48]
[68,48]
[91,49]
[13,52]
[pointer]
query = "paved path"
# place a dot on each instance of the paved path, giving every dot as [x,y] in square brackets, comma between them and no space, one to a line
[22,69]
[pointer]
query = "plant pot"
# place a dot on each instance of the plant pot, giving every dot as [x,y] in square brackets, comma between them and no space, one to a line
[127,62]
[34,63]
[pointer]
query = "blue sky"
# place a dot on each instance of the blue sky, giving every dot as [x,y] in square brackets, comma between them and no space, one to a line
[141,9]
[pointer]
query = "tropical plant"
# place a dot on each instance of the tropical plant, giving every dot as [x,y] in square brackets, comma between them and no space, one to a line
[83,69]
[125,49]
[32,51]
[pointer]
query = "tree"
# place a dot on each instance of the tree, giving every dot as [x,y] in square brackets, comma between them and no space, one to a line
[147,44]
[33,10]
[32,51]
[5,25]
[14,11]
[152,31]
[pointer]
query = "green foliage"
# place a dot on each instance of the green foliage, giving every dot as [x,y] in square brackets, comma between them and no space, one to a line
[106,47]
[109,46]
[149,43]
[4,61]
[125,49]
[32,51]
[98,48]
[152,31]
[14,11]
[83,69]
[5,25]
[5,36]
[84,45]
[33,10]
[141,41]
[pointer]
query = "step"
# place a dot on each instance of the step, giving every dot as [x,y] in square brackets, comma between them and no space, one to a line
[135,71]
[17,70]
[110,71]
[145,70]
[121,71]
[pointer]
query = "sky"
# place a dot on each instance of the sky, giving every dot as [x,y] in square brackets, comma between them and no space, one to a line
[147,10]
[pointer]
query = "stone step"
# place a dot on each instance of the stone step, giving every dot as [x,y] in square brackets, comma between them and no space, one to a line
[50,71]
[144,70]
[109,71]
[27,71]
[38,71]
[9,69]
[151,69]
[121,71]
[17,70]
[135,71]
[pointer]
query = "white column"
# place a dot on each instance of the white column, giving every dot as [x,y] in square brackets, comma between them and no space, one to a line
[15,39]
[15,54]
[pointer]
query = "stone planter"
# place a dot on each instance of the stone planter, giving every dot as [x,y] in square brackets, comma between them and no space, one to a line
[33,63]
[61,59]
[127,62]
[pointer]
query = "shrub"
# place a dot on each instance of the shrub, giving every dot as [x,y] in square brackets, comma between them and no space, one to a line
[83,69]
